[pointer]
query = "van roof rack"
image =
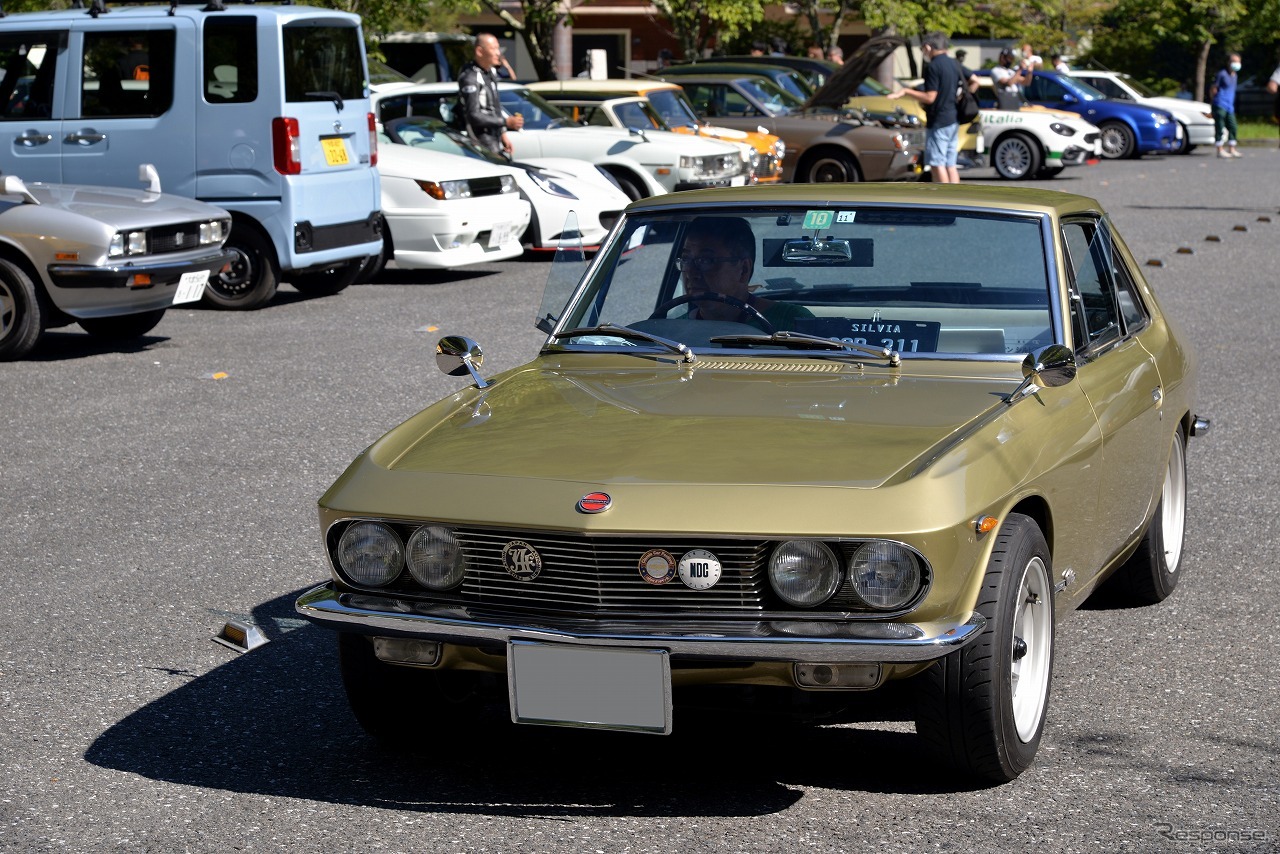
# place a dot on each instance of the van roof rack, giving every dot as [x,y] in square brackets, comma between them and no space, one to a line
[99,7]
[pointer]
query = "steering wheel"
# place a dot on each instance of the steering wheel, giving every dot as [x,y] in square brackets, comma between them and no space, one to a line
[713,296]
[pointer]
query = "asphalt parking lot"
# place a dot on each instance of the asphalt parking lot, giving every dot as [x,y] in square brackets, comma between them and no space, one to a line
[151,493]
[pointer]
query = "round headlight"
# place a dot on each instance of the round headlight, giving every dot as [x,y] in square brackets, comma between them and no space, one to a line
[885,575]
[370,553]
[435,558]
[804,573]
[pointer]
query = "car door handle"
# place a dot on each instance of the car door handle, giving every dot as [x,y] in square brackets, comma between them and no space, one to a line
[86,137]
[31,138]
[1157,395]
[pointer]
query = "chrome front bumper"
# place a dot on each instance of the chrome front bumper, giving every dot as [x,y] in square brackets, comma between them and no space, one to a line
[847,642]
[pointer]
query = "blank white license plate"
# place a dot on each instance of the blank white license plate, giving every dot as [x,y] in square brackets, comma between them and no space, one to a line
[191,287]
[621,689]
[500,234]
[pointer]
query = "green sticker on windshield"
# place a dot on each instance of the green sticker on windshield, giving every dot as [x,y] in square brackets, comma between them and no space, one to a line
[818,219]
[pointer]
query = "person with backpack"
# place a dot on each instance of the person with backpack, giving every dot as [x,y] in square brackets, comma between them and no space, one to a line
[943,79]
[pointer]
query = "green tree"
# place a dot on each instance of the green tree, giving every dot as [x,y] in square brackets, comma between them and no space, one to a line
[826,35]
[694,22]
[1160,40]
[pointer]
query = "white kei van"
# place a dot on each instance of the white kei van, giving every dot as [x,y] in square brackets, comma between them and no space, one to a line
[261,110]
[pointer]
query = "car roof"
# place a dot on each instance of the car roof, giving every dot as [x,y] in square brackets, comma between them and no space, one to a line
[183,9]
[1016,199]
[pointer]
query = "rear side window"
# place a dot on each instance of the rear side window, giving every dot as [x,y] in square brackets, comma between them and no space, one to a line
[28,68]
[322,60]
[230,60]
[127,74]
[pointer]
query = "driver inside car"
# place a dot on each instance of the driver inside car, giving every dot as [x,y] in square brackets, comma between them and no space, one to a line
[716,262]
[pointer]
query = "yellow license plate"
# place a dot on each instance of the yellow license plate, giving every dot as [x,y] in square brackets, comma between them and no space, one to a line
[335,152]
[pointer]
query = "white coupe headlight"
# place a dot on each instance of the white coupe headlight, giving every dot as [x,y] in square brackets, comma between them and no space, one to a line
[435,558]
[884,575]
[212,233]
[370,554]
[549,186]
[509,184]
[804,573]
[447,190]
[1064,130]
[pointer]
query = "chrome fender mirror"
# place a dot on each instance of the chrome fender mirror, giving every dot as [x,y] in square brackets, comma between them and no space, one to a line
[1048,367]
[458,356]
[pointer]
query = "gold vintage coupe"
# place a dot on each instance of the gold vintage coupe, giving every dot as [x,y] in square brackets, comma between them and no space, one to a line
[800,441]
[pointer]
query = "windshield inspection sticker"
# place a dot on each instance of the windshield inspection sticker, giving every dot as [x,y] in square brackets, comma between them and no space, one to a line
[699,569]
[818,219]
[845,216]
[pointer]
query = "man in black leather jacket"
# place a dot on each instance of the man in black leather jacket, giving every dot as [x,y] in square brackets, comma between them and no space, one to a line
[478,91]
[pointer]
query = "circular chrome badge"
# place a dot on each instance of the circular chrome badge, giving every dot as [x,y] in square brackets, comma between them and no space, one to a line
[699,569]
[521,560]
[657,566]
[595,502]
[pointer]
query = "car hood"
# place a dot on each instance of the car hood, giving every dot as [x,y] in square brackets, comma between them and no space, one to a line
[124,207]
[1176,105]
[837,91]
[725,422]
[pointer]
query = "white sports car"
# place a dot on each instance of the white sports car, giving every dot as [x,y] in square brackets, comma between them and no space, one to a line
[1033,142]
[643,163]
[554,186]
[445,211]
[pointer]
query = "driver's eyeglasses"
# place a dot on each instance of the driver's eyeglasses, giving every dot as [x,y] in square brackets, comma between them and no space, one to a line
[702,263]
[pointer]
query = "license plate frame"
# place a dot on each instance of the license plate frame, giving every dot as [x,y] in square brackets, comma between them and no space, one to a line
[625,689]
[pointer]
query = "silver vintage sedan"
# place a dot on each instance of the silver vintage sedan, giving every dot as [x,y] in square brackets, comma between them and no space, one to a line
[110,259]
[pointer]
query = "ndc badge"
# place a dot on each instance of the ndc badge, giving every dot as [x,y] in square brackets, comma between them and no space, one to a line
[521,560]
[657,566]
[699,569]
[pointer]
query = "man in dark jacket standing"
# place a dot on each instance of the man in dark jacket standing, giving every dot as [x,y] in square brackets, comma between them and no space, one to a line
[942,79]
[478,93]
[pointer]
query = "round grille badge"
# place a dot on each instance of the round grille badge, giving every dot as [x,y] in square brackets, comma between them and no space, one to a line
[521,560]
[594,502]
[699,569]
[657,566]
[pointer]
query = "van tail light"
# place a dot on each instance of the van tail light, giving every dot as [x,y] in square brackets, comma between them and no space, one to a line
[286,145]
[373,140]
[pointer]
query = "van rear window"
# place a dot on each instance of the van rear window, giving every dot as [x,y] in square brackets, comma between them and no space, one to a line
[321,59]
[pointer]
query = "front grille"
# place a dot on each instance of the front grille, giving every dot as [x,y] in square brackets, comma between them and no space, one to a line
[173,238]
[601,575]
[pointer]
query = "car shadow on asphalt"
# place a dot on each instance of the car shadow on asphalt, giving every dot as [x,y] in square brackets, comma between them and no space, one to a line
[274,721]
[58,345]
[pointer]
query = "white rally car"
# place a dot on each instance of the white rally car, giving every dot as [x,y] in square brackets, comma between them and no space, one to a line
[1033,142]
[643,163]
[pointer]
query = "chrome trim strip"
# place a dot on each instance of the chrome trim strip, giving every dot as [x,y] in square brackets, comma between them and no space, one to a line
[747,640]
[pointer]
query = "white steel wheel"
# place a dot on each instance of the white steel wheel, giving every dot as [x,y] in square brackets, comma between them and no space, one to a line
[1032,650]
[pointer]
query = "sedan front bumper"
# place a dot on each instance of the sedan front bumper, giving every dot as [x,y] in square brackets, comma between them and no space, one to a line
[837,642]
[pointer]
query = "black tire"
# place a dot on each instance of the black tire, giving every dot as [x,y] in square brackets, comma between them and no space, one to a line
[1118,142]
[375,264]
[629,185]
[22,312]
[1152,572]
[1048,172]
[122,327]
[1016,157]
[391,701]
[983,707]
[832,167]
[326,283]
[254,275]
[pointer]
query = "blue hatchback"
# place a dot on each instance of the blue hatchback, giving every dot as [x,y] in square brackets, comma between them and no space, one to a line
[1128,130]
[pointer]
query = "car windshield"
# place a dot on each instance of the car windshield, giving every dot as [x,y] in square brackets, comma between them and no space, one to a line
[674,107]
[775,100]
[1138,86]
[1090,93]
[539,114]
[842,273]
[871,86]
[423,132]
[639,114]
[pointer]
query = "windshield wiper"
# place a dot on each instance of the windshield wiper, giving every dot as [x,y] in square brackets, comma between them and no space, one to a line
[327,96]
[804,341]
[630,334]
